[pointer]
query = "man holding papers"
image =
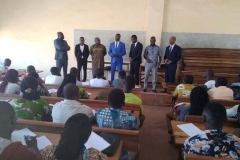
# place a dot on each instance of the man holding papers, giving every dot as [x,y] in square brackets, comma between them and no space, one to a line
[214,141]
[14,150]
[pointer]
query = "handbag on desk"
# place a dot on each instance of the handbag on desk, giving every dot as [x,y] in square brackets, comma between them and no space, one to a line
[113,140]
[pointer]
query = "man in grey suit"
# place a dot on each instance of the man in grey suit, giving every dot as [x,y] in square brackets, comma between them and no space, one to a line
[61,55]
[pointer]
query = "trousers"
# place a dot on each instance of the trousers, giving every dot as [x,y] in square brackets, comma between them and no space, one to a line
[62,63]
[113,69]
[154,70]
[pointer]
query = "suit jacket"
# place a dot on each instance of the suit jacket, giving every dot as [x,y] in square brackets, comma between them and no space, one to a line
[79,53]
[175,55]
[61,48]
[120,51]
[136,52]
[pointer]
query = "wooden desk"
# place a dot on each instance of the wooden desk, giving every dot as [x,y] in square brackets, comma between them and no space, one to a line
[54,138]
[180,136]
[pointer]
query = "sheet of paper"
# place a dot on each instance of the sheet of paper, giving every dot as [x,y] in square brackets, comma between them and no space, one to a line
[43,142]
[89,93]
[96,142]
[94,112]
[190,129]
[52,90]
[19,135]
[85,83]
[137,87]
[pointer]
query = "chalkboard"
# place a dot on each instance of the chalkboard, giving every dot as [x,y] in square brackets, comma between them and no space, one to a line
[107,37]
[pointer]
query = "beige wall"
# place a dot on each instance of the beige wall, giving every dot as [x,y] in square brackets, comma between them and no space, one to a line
[28,27]
[202,16]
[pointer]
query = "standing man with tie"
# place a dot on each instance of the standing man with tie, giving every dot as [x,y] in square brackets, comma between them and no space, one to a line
[172,56]
[116,52]
[152,55]
[81,54]
[135,57]
[61,55]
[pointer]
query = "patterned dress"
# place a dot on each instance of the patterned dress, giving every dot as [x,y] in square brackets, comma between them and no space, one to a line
[118,83]
[215,143]
[30,110]
[118,119]
[87,154]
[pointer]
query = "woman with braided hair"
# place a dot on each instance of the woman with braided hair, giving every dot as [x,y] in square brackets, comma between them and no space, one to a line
[199,98]
[75,134]
[10,84]
[30,106]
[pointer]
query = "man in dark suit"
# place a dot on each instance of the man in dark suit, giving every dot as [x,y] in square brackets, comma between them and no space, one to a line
[172,56]
[135,57]
[81,54]
[61,55]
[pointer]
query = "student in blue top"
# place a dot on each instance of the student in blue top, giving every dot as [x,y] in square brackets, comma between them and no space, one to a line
[116,52]
[119,83]
[116,117]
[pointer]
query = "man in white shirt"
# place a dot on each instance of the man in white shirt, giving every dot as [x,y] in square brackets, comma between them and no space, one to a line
[55,78]
[221,91]
[70,105]
[99,81]
[208,75]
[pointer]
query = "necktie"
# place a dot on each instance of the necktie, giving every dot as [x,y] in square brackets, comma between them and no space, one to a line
[170,49]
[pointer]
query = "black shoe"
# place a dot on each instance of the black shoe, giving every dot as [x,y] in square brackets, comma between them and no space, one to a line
[164,91]
[144,90]
[154,91]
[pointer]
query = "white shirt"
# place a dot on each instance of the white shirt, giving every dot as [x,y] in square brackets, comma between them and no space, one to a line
[210,84]
[63,110]
[135,44]
[4,143]
[12,88]
[172,46]
[53,79]
[82,48]
[116,43]
[232,112]
[221,92]
[99,82]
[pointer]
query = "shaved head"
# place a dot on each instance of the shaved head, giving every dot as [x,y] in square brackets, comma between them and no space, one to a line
[70,91]
[7,120]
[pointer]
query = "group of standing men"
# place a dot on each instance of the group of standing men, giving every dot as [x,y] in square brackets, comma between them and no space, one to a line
[152,55]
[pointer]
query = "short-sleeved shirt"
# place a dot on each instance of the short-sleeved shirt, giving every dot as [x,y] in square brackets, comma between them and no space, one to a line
[152,53]
[12,88]
[210,84]
[221,92]
[118,83]
[215,143]
[133,99]
[183,90]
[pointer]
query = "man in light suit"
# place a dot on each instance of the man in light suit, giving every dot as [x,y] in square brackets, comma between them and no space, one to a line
[116,52]
[61,55]
[173,54]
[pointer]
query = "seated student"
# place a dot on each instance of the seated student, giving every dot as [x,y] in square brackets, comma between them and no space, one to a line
[236,86]
[30,106]
[74,71]
[185,88]
[41,89]
[6,64]
[76,132]
[70,105]
[99,81]
[14,150]
[55,78]
[214,142]
[208,75]
[129,96]
[116,117]
[221,91]
[30,69]
[10,84]
[199,98]
[118,83]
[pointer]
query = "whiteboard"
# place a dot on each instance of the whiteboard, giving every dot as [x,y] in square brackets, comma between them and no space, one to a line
[107,37]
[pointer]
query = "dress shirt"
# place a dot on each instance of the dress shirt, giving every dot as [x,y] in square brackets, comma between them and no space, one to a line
[81,48]
[99,82]
[66,108]
[53,79]
[135,44]
[172,46]
[116,43]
